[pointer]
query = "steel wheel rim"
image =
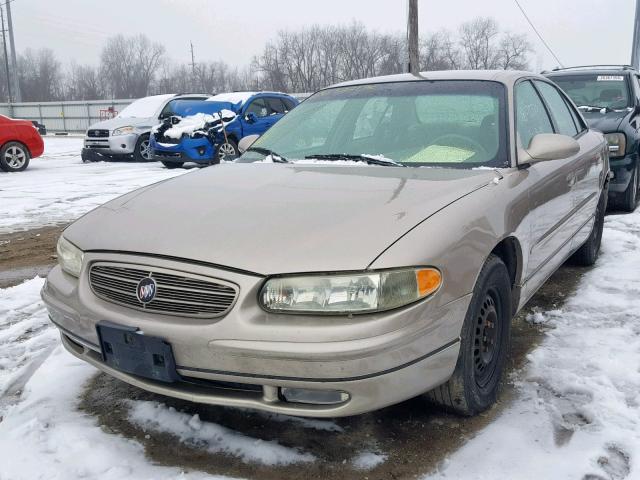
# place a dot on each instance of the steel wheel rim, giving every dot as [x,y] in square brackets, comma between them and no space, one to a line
[486,340]
[145,150]
[226,150]
[15,157]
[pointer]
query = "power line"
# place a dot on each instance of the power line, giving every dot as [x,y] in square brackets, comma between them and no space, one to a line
[538,33]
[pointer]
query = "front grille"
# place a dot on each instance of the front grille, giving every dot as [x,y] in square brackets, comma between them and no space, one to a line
[98,133]
[177,293]
[169,140]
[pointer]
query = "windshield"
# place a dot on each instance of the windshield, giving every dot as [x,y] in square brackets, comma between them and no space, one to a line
[600,91]
[458,124]
[144,107]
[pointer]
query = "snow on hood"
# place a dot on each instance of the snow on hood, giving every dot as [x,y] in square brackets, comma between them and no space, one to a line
[193,123]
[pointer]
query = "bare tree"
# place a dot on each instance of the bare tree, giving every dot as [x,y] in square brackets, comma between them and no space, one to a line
[129,65]
[478,43]
[40,75]
[83,82]
[514,51]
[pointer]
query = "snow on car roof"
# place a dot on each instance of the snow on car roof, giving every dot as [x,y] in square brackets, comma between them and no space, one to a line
[232,97]
[145,107]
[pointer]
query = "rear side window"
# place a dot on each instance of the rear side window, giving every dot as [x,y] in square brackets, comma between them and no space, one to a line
[559,109]
[531,116]
[289,103]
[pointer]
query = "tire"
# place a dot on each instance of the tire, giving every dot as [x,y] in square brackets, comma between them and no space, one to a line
[172,165]
[227,151]
[14,157]
[588,253]
[142,152]
[629,198]
[477,378]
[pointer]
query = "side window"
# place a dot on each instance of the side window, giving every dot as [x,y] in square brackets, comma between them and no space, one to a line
[167,111]
[276,105]
[531,116]
[576,117]
[259,108]
[559,109]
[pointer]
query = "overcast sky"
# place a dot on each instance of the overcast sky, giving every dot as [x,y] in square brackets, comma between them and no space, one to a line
[579,31]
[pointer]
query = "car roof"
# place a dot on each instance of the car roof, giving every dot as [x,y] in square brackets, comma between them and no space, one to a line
[588,71]
[508,77]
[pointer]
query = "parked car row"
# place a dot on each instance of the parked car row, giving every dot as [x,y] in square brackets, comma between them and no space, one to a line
[371,246]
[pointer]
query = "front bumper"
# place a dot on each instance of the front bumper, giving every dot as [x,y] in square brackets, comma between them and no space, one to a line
[622,169]
[119,145]
[378,360]
[199,150]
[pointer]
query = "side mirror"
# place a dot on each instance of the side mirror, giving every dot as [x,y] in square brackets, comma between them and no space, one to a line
[548,146]
[251,117]
[246,142]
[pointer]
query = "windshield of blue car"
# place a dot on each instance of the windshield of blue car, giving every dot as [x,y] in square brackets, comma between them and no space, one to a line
[447,123]
[595,90]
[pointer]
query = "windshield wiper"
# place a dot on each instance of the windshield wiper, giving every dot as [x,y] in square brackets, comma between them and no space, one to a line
[266,152]
[593,108]
[370,159]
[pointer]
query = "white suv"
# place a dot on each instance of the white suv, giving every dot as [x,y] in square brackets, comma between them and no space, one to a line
[127,135]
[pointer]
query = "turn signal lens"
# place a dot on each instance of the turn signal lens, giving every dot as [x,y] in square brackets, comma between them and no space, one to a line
[429,280]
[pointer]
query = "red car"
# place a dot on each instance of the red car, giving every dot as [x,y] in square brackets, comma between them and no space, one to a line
[19,142]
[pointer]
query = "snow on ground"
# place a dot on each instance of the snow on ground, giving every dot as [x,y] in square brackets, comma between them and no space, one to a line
[58,187]
[578,411]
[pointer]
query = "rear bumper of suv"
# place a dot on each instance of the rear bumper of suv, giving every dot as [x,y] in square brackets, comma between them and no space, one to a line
[284,364]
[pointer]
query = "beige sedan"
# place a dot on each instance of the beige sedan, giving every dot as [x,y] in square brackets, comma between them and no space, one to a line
[372,246]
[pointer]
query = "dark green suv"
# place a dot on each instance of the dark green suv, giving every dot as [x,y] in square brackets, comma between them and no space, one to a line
[609,98]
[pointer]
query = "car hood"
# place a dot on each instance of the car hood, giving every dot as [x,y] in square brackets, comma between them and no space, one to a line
[267,219]
[605,122]
[117,122]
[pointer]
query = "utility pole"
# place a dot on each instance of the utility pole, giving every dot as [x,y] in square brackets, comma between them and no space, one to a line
[412,38]
[635,49]
[14,61]
[6,55]
[193,68]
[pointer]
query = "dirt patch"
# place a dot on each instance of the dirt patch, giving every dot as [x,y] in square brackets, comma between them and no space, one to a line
[23,255]
[415,436]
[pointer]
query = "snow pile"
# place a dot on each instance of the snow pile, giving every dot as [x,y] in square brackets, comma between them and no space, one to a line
[26,337]
[232,97]
[156,417]
[58,187]
[198,122]
[368,460]
[578,412]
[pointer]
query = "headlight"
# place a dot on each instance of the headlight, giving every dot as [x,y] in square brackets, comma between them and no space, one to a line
[122,131]
[617,144]
[349,293]
[69,257]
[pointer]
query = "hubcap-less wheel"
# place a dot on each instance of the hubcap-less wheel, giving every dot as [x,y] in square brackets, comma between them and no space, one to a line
[145,149]
[486,340]
[226,151]
[15,157]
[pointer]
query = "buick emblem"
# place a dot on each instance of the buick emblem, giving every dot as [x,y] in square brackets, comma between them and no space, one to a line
[146,289]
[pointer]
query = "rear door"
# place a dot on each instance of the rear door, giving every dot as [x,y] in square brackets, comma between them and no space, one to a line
[551,194]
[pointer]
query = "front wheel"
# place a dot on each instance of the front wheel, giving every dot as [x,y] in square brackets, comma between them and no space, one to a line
[227,151]
[484,345]
[14,157]
[142,152]
[172,165]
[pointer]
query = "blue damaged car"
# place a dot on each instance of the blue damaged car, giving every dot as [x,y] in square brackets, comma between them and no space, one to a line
[208,131]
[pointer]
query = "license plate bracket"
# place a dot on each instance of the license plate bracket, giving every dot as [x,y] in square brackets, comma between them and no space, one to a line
[128,350]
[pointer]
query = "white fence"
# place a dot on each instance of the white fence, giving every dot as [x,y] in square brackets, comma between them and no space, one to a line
[73,116]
